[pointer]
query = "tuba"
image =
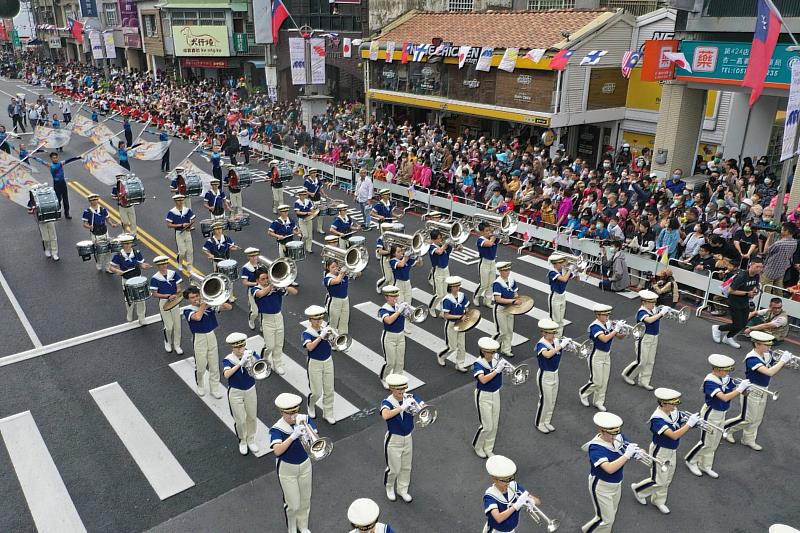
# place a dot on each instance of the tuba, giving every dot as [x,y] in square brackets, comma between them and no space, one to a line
[216,289]
[426,414]
[353,259]
[282,271]
[416,243]
[257,368]
[504,225]
[317,448]
[456,232]
[338,342]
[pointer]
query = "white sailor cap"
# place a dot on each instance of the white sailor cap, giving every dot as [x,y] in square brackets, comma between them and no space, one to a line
[548,325]
[302,192]
[288,402]
[390,290]
[363,513]
[503,265]
[721,362]
[274,162]
[762,337]
[501,467]
[556,258]
[601,309]
[397,381]
[126,238]
[213,181]
[387,226]
[384,192]
[315,311]
[236,339]
[453,280]
[608,422]
[340,207]
[332,240]
[178,196]
[648,296]
[179,170]
[160,260]
[283,207]
[251,250]
[398,227]
[665,395]
[488,344]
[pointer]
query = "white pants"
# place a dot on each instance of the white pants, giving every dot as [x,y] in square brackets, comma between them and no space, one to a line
[296,483]
[504,322]
[599,370]
[488,406]
[49,238]
[558,309]
[253,308]
[440,276]
[103,260]
[272,333]
[172,323]
[750,418]
[605,499]
[339,314]
[646,348]
[244,405]
[405,293]
[548,394]
[657,485]
[277,198]
[139,307]
[127,216]
[236,203]
[702,454]
[320,384]
[388,275]
[183,240]
[307,229]
[456,342]
[487,272]
[206,359]
[394,352]
[399,452]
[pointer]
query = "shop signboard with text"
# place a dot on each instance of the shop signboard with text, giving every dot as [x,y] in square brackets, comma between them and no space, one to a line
[201,41]
[726,63]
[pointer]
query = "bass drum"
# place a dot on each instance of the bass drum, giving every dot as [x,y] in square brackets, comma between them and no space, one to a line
[194,185]
[45,204]
[131,191]
[245,177]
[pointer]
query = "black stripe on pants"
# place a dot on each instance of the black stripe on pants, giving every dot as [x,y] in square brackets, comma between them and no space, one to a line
[739,419]
[627,372]
[480,422]
[386,440]
[540,407]
[583,389]
[283,496]
[701,443]
[652,473]
[596,504]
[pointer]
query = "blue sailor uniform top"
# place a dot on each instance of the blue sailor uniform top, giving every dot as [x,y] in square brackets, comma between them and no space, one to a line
[596,328]
[323,350]
[282,227]
[173,184]
[207,324]
[659,423]
[220,249]
[128,261]
[557,286]
[179,217]
[487,252]
[494,499]
[481,367]
[215,201]
[549,364]
[342,225]
[383,209]
[752,362]
[165,285]
[455,305]
[248,272]
[440,260]
[338,290]
[649,328]
[240,379]
[96,219]
[402,273]
[270,303]
[313,188]
[396,326]
[601,452]
[713,385]
[401,424]
[505,289]
[295,454]
[303,209]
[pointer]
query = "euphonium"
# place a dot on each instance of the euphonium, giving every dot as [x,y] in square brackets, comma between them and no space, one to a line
[317,448]
[338,342]
[282,271]
[416,243]
[417,314]
[215,289]
[457,232]
[354,259]
[426,414]
[257,368]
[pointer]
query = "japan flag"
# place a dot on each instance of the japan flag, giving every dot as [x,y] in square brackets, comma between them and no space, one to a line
[347,48]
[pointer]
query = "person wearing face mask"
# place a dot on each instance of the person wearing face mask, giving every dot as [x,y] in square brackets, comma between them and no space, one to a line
[613,262]
[615,231]
[692,243]
[745,241]
[675,183]
[767,191]
[599,231]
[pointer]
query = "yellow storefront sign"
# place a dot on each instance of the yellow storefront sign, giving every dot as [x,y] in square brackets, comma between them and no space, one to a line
[201,41]
[646,95]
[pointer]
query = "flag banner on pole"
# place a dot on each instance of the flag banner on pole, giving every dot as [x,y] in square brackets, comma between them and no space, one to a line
[593,57]
[679,59]
[347,47]
[279,15]
[297,60]
[100,164]
[629,60]
[792,115]
[485,59]
[16,181]
[51,137]
[535,55]
[509,60]
[149,150]
[389,51]
[765,37]
[101,135]
[560,60]
[317,60]
[463,52]
[374,48]
[82,126]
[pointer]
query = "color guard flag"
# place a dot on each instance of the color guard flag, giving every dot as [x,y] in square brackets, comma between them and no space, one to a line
[679,59]
[347,47]
[463,52]
[560,60]
[765,36]
[404,52]
[629,61]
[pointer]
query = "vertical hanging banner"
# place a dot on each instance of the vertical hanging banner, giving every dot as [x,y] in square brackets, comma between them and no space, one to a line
[389,51]
[347,47]
[108,40]
[128,14]
[96,41]
[792,115]
[317,60]
[297,59]
[374,46]
[509,60]
[262,20]
[485,59]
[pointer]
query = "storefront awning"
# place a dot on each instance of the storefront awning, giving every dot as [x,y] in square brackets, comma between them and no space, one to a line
[258,63]
[199,4]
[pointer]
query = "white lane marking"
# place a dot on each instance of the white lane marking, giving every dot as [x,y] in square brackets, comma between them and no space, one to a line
[49,502]
[20,313]
[159,466]
[591,280]
[467,256]
[484,325]
[418,335]
[372,360]
[535,313]
[185,370]
[297,377]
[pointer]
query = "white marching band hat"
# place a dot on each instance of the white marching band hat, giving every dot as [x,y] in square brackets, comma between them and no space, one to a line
[315,311]
[251,250]
[390,290]
[488,344]
[607,421]
[126,238]
[283,207]
[286,401]
[601,308]
[236,339]
[555,258]
[363,512]
[160,260]
[720,361]
[500,467]
[340,207]
[396,381]
[648,296]
[762,337]
[453,280]
[547,324]
[503,265]
[178,196]
[665,395]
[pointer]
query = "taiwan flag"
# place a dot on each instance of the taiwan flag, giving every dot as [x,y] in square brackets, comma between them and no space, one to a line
[76,29]
[279,15]
[560,60]
[768,27]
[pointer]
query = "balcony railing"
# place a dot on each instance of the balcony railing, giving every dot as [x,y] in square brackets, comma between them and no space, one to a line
[634,7]
[747,8]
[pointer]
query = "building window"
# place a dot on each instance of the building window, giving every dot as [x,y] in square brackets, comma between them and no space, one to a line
[460,5]
[202,17]
[110,13]
[541,5]
[150,26]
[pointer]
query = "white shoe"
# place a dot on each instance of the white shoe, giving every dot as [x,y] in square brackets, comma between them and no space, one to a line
[711,473]
[406,497]
[584,399]
[243,448]
[462,369]
[716,334]
[480,453]
[550,427]
[141,321]
[391,495]
[628,380]
[47,253]
[489,454]
[179,350]
[167,347]
[730,342]
[441,359]
[730,438]
[216,393]
[543,429]
[253,447]
[97,266]
[330,420]
[201,391]
[600,407]
[280,370]
[694,469]
[636,495]
[251,324]
[646,387]
[754,445]
[663,508]
[306,530]
[55,257]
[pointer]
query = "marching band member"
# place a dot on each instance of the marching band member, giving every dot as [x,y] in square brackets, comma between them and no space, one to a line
[303,208]
[454,306]
[607,462]
[128,263]
[95,219]
[216,162]
[127,214]
[248,276]
[175,189]
[488,373]
[269,301]
[401,262]
[276,184]
[283,229]
[293,465]
[313,185]
[599,361]
[487,250]
[320,364]
[719,390]
[164,286]
[504,499]
[202,321]
[342,226]
[667,428]
[48,232]
[647,345]
[337,303]
[219,246]
[505,292]
[398,446]
[382,210]
[363,515]
[760,366]
[558,276]
[242,397]
[383,254]
[231,179]
[439,253]
[215,200]
[548,356]
[393,340]
[434,216]
[180,218]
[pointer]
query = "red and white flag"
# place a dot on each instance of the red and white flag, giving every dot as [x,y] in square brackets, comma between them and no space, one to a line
[679,59]
[347,47]
[463,52]
[535,55]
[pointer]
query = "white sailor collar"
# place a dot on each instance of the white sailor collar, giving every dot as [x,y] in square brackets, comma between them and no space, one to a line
[505,498]
[598,323]
[314,333]
[283,426]
[249,266]
[611,446]
[233,358]
[766,359]
[160,277]
[304,203]
[389,307]
[391,399]
[346,219]
[648,311]
[458,301]
[484,363]
[508,285]
[715,379]
[546,343]
[670,418]
[181,212]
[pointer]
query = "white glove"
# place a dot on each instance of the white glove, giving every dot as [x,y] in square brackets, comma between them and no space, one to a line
[404,307]
[786,357]
[693,420]
[244,358]
[743,385]
[505,364]
[407,403]
[298,432]
[407,253]
[325,331]
[631,450]
[521,500]
[563,341]
[619,325]
[573,268]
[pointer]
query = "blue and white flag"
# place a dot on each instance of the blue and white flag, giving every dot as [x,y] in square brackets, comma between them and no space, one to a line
[419,52]
[485,59]
[593,57]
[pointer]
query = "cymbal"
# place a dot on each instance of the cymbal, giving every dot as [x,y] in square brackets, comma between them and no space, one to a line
[171,304]
[470,320]
[525,305]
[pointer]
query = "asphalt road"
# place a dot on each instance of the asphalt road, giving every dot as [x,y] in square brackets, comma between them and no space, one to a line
[232,493]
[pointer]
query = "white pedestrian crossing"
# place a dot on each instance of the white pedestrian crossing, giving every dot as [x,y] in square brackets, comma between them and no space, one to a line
[591,280]
[50,504]
[159,466]
[467,256]
[536,313]
[185,370]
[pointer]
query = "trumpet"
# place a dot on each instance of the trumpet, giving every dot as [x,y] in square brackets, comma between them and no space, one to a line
[794,362]
[257,368]
[626,329]
[426,414]
[758,392]
[581,349]
[518,374]
[538,516]
[317,448]
[216,289]
[681,316]
[705,425]
[338,342]
[644,457]
[417,315]
[578,263]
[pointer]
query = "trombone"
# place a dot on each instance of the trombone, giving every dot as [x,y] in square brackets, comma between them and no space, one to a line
[758,392]
[417,315]
[626,329]
[581,349]
[794,362]
[644,457]
[705,425]
[426,414]
[681,316]
[518,374]
[317,448]
[538,517]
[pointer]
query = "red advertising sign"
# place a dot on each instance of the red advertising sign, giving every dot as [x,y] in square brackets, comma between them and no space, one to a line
[132,40]
[654,66]
[204,63]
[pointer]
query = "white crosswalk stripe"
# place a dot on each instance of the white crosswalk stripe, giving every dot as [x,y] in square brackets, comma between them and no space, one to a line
[159,466]
[185,370]
[467,256]
[535,313]
[50,504]
[591,280]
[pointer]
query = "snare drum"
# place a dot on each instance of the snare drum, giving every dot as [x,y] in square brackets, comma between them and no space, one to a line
[245,220]
[194,185]
[115,246]
[245,178]
[329,211]
[206,226]
[45,203]
[356,240]
[131,192]
[228,268]
[85,249]
[295,250]
[234,224]
[103,246]
[285,171]
[137,289]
